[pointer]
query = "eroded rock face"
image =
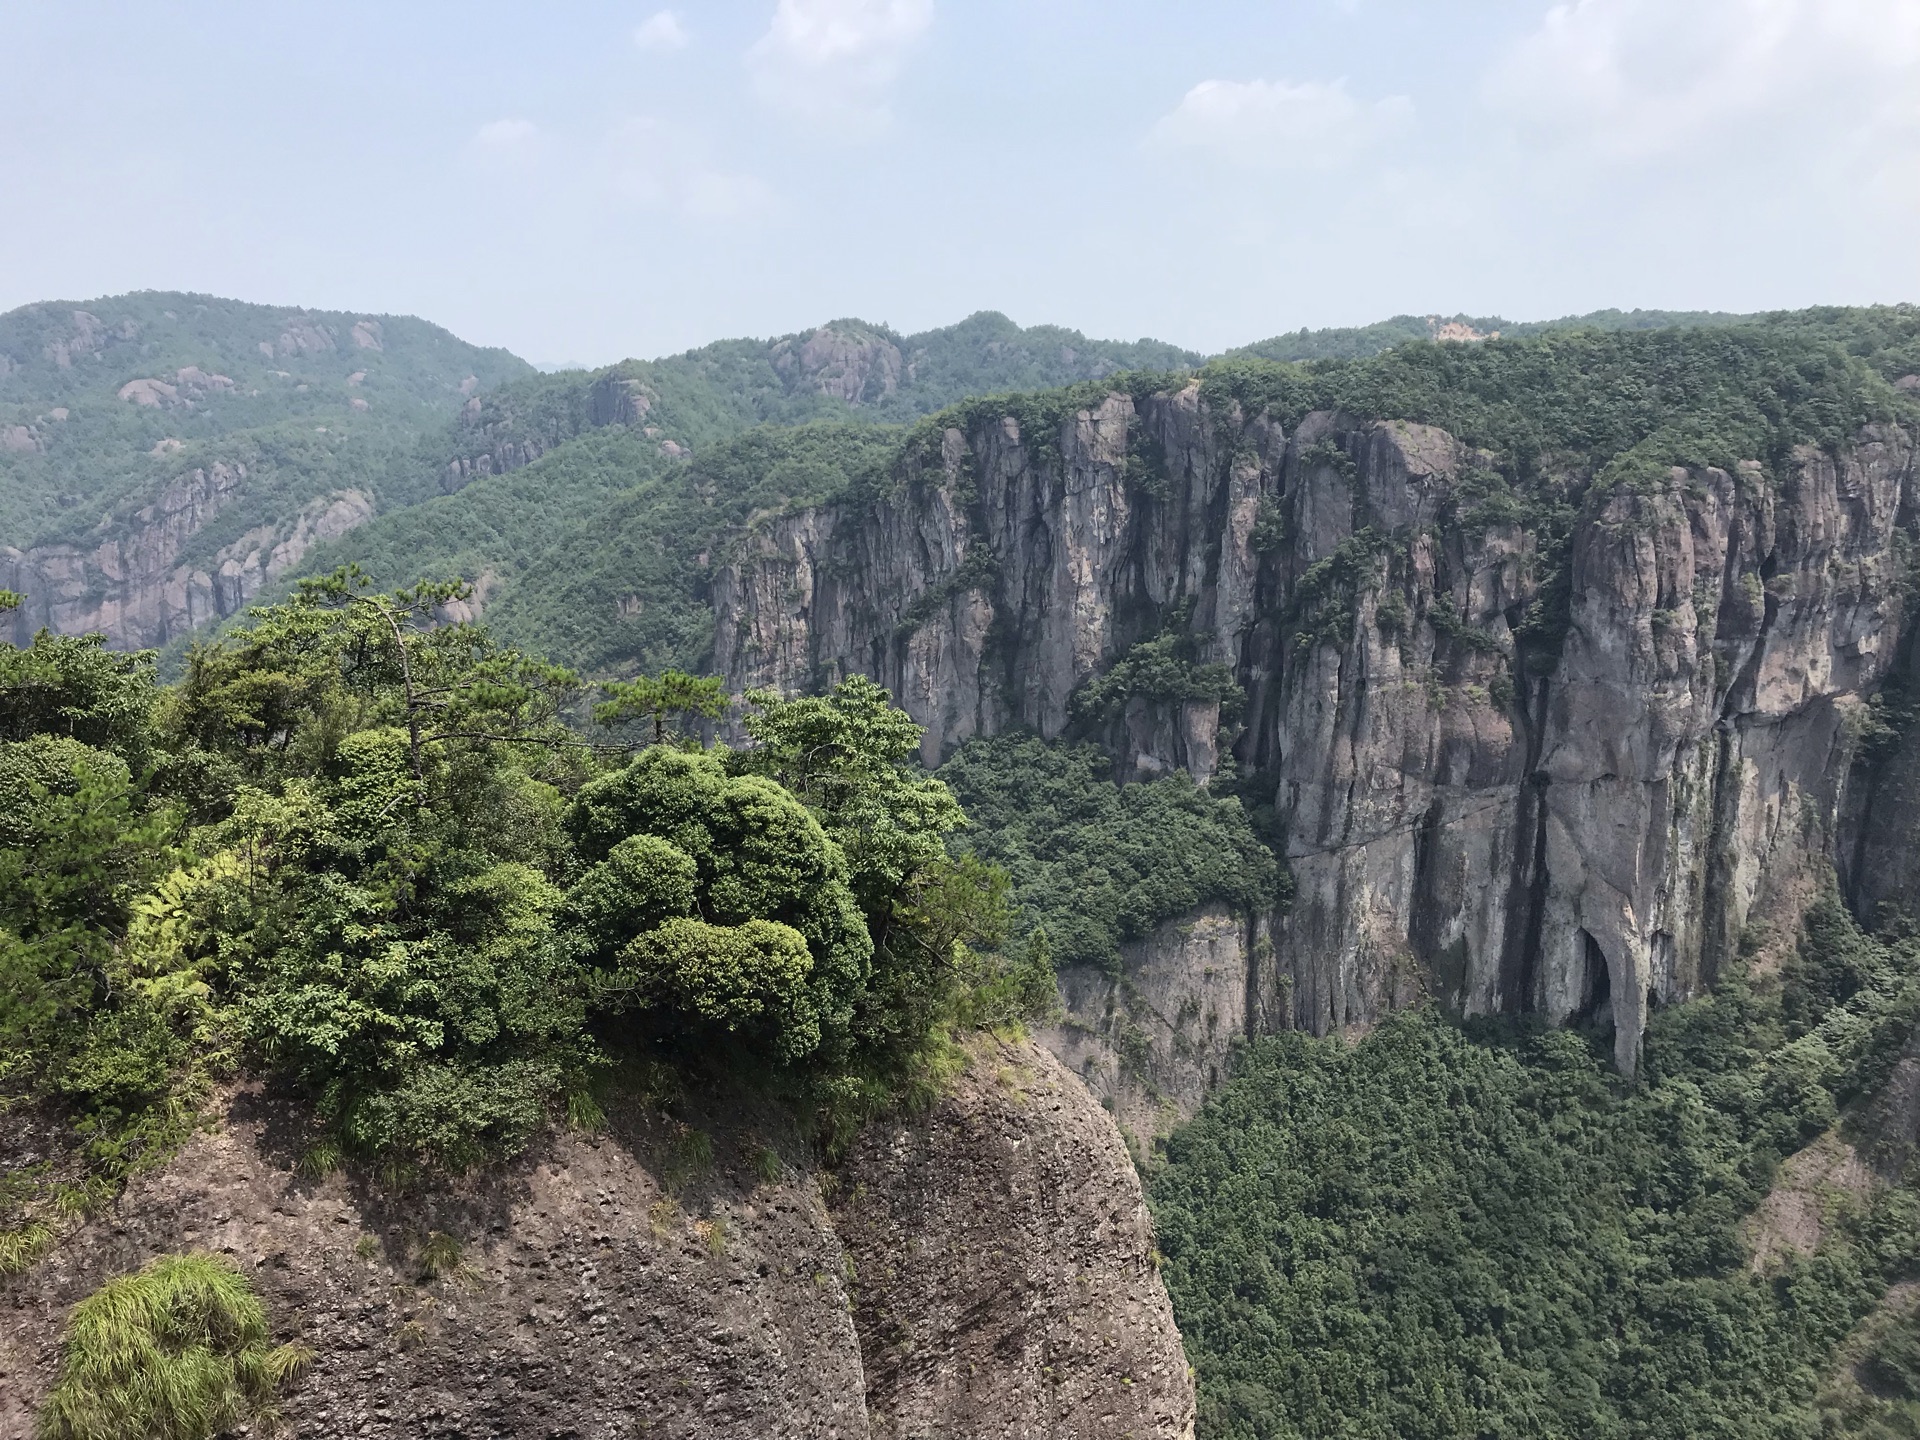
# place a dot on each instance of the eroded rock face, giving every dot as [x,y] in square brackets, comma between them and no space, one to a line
[1005,1272]
[1577,822]
[988,613]
[1151,1041]
[133,585]
[854,366]
[605,1288]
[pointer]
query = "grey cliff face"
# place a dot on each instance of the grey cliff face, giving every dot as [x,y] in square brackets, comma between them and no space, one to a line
[134,586]
[852,366]
[605,1290]
[1578,825]
[1153,1040]
[1005,1280]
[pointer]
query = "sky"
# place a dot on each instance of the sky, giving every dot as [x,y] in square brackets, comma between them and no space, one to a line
[580,180]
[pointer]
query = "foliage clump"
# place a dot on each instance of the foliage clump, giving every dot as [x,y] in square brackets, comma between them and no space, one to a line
[178,1351]
[1162,670]
[1094,863]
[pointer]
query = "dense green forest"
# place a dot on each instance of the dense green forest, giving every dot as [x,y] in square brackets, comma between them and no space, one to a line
[355,851]
[1094,863]
[1437,1232]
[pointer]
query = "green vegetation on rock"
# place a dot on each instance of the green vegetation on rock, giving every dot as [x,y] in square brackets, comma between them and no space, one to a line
[176,1352]
[1094,863]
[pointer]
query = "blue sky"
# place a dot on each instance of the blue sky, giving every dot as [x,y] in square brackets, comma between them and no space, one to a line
[583,181]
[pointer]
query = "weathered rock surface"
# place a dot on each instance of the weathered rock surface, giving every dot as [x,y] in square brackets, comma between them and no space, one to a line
[1153,1040]
[132,584]
[856,366]
[1005,1279]
[609,1285]
[1580,830]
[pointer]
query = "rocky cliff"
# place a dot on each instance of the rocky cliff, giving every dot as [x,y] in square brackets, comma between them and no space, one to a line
[130,581]
[1518,769]
[984,1270]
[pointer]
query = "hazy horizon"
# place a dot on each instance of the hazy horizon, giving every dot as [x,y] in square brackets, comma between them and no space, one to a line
[630,180]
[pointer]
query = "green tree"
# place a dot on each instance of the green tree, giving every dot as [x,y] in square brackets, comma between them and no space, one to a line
[659,698]
[756,854]
[74,686]
[852,758]
[750,977]
[940,922]
[337,658]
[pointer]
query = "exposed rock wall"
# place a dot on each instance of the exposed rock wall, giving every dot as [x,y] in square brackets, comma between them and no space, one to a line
[1005,1279]
[609,1287]
[1578,825]
[1153,1039]
[133,586]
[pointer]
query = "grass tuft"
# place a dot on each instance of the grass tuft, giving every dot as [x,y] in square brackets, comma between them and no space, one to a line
[176,1352]
[439,1255]
[20,1248]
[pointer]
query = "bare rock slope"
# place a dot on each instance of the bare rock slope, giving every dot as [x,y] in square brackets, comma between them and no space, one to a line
[647,1281]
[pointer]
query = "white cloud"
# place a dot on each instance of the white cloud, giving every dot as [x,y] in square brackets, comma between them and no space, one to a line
[662,31]
[503,136]
[658,167]
[510,144]
[835,62]
[1276,124]
[1637,80]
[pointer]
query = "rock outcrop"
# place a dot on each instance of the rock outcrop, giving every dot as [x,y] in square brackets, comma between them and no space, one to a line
[639,1281]
[1153,1039]
[133,584]
[1506,796]
[853,364]
[1003,1270]
[497,434]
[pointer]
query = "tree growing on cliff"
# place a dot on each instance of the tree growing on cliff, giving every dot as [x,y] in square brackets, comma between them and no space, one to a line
[358,847]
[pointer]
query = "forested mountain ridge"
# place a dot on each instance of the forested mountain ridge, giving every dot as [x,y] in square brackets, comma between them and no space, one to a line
[570,552]
[135,423]
[163,456]
[99,399]
[1869,330]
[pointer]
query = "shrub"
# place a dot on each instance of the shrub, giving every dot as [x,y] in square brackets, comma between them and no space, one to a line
[757,855]
[643,881]
[748,977]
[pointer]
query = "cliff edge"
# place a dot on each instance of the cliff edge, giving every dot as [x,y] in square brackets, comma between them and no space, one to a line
[681,1276]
